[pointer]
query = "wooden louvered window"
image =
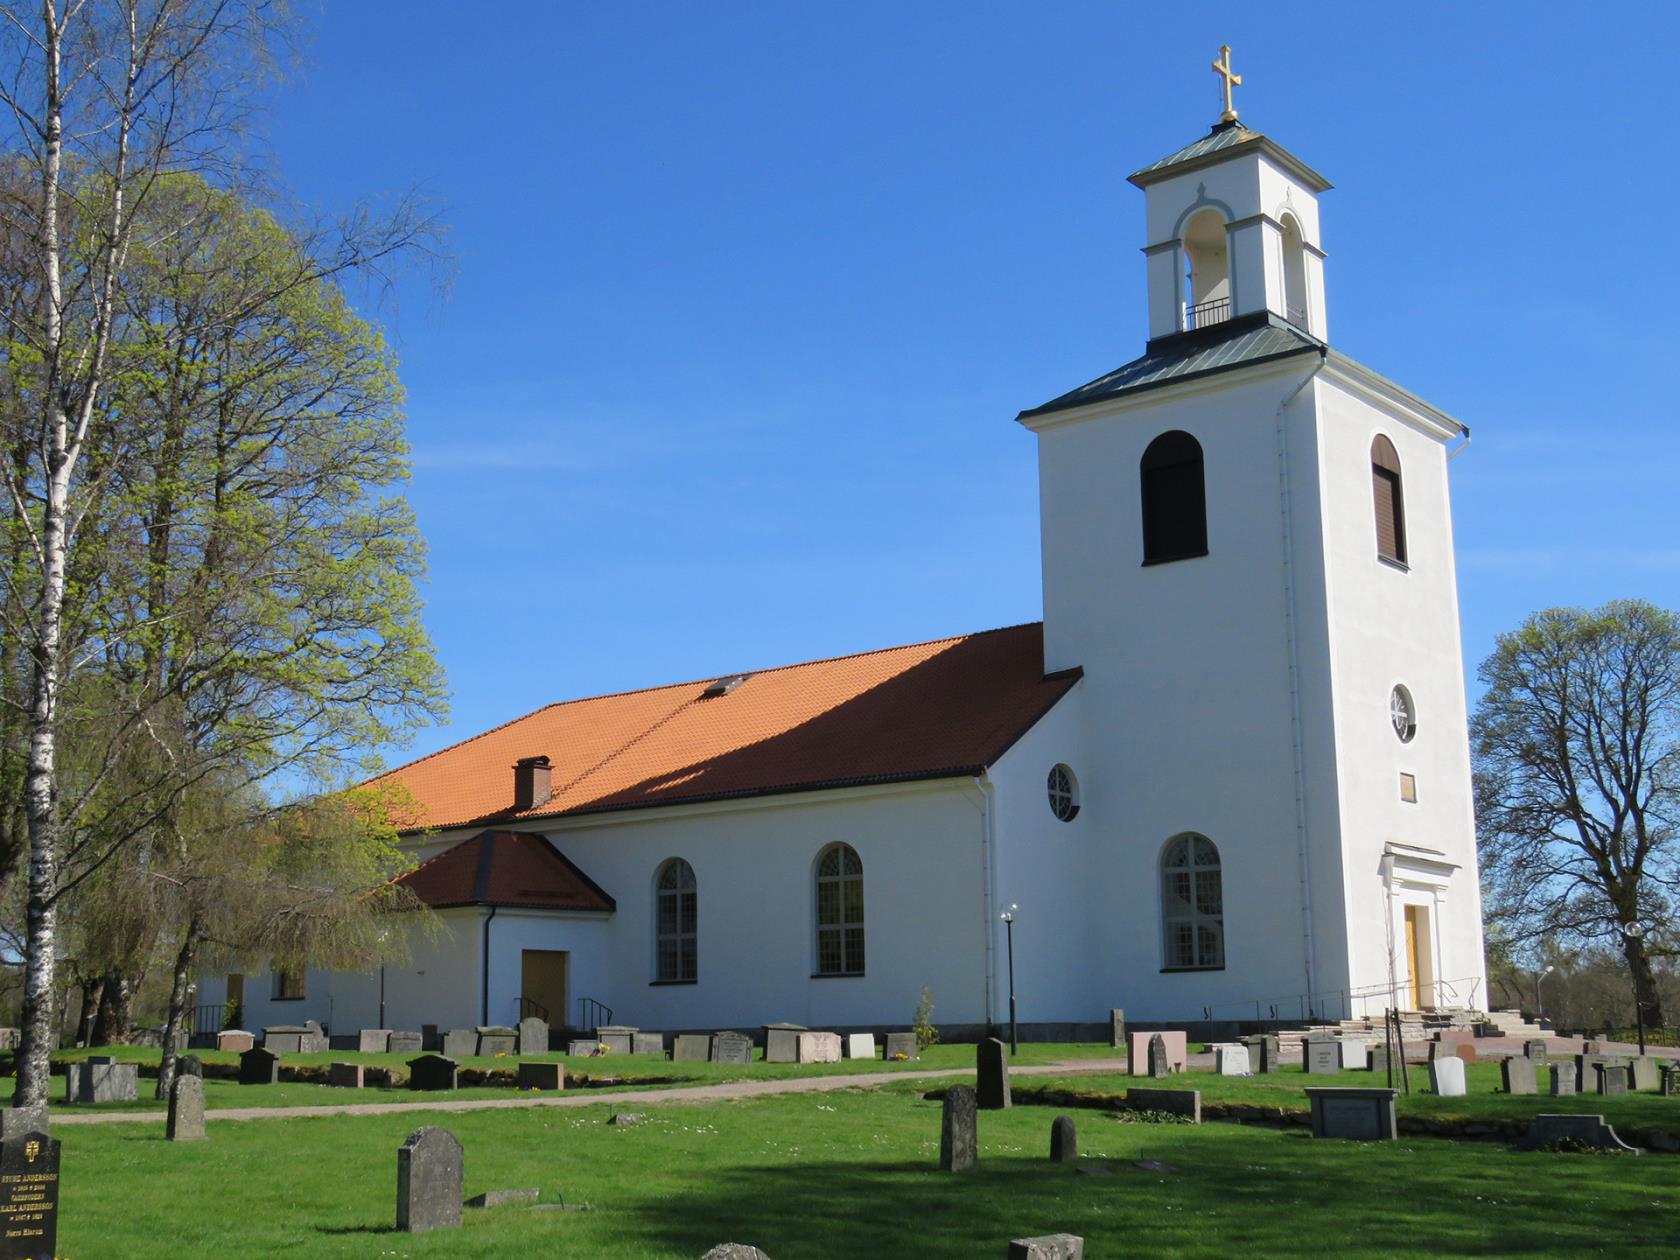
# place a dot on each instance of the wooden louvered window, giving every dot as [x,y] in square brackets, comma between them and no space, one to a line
[839,912]
[678,919]
[1388,500]
[1174,499]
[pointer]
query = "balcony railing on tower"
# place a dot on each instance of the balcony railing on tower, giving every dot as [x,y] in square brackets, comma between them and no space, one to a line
[1204,314]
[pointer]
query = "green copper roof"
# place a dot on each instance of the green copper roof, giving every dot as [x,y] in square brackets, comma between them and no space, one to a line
[1219,144]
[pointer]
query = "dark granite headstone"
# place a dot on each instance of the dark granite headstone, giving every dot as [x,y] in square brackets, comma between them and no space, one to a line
[406,1043]
[1159,1067]
[991,1071]
[546,1076]
[1048,1247]
[186,1110]
[1321,1056]
[1586,1072]
[1517,1075]
[433,1071]
[1612,1078]
[901,1043]
[959,1143]
[691,1048]
[1361,1115]
[189,1065]
[1563,1080]
[430,1039]
[734,1047]
[1175,1102]
[781,1042]
[1534,1050]
[259,1066]
[346,1075]
[460,1043]
[1262,1052]
[1117,1029]
[1544,1130]
[373,1041]
[533,1035]
[647,1043]
[1064,1140]
[431,1168]
[29,1197]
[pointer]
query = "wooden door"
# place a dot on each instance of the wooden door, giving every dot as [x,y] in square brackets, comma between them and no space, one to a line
[1414,959]
[543,977]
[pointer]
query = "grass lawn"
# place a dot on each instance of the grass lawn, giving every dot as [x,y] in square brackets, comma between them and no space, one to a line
[848,1174]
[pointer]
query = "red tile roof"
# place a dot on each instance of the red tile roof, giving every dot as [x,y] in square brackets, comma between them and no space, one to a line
[505,868]
[928,710]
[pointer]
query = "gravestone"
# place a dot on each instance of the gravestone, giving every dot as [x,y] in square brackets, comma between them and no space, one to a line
[1446,1076]
[583,1049]
[429,1038]
[860,1046]
[732,1047]
[345,1075]
[1159,1066]
[405,1043]
[991,1067]
[1356,1055]
[431,1169]
[1516,1075]
[1586,1072]
[496,1040]
[547,1076]
[734,1251]
[500,1198]
[235,1040]
[1174,1102]
[1262,1052]
[1465,1052]
[1671,1080]
[101,1080]
[959,1146]
[460,1043]
[373,1041]
[1177,1051]
[648,1043]
[11,1038]
[1534,1050]
[1048,1247]
[433,1071]
[1321,1056]
[1563,1080]
[284,1039]
[1612,1078]
[1360,1115]
[1644,1073]
[1064,1141]
[16,1121]
[618,1038]
[902,1043]
[1231,1060]
[533,1035]
[186,1109]
[1116,1028]
[1544,1130]
[190,1065]
[29,1197]
[781,1042]
[819,1047]
[1379,1060]
[259,1066]
[691,1048]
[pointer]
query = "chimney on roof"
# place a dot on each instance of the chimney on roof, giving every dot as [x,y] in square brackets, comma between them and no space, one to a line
[533,779]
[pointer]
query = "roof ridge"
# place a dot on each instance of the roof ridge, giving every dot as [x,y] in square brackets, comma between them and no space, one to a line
[695,682]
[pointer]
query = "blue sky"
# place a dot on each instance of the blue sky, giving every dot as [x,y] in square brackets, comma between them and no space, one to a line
[746,296]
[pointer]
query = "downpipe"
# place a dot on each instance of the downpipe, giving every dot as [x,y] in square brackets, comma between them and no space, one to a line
[484,980]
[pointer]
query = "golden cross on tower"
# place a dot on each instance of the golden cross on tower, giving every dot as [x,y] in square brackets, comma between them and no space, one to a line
[1222,67]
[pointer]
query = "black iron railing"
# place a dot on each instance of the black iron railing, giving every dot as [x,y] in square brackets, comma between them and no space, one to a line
[206,1019]
[532,1010]
[1204,314]
[593,1014]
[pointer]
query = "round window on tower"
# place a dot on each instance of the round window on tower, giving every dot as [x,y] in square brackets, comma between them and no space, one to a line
[1402,711]
[1064,793]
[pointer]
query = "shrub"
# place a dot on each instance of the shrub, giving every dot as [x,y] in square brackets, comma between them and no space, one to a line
[922,1022]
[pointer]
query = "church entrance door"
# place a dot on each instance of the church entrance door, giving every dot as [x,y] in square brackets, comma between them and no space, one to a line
[543,974]
[1417,945]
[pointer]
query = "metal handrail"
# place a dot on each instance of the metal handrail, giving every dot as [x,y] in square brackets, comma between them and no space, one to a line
[206,1019]
[593,1014]
[1206,314]
[1307,1006]
[529,1009]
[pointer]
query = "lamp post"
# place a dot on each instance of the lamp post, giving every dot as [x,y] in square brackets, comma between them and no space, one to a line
[1008,917]
[1633,931]
[1539,993]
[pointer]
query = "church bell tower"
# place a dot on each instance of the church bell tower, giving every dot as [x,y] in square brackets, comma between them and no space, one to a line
[1247,549]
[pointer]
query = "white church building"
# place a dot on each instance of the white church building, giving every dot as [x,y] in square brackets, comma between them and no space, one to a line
[1227,778]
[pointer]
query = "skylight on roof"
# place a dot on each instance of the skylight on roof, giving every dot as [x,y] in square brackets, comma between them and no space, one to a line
[723,686]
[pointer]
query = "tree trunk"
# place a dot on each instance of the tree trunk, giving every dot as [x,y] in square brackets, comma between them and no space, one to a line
[92,993]
[177,1005]
[1644,981]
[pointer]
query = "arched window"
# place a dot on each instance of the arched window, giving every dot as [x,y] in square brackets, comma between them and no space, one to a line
[1388,500]
[839,912]
[678,923]
[1294,273]
[1208,264]
[1174,500]
[1192,903]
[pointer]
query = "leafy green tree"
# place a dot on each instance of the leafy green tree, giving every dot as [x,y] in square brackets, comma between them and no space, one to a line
[1577,760]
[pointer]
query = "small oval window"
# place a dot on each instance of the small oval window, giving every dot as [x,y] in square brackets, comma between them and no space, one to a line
[1403,713]
[1064,793]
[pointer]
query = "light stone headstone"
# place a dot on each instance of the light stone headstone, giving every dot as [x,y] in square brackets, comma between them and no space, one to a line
[1321,1056]
[405,1043]
[1064,1140]
[959,1147]
[902,1043]
[1048,1247]
[819,1047]
[186,1109]
[235,1040]
[1356,1055]
[1446,1076]
[494,1040]
[735,1251]
[648,1043]
[460,1043]
[991,1067]
[860,1046]
[533,1035]
[1563,1080]
[1534,1050]
[1231,1060]
[691,1048]
[618,1038]
[431,1171]
[1645,1073]
[1612,1078]
[1517,1075]
[1116,1028]
[733,1047]
[101,1080]
[583,1049]
[373,1041]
